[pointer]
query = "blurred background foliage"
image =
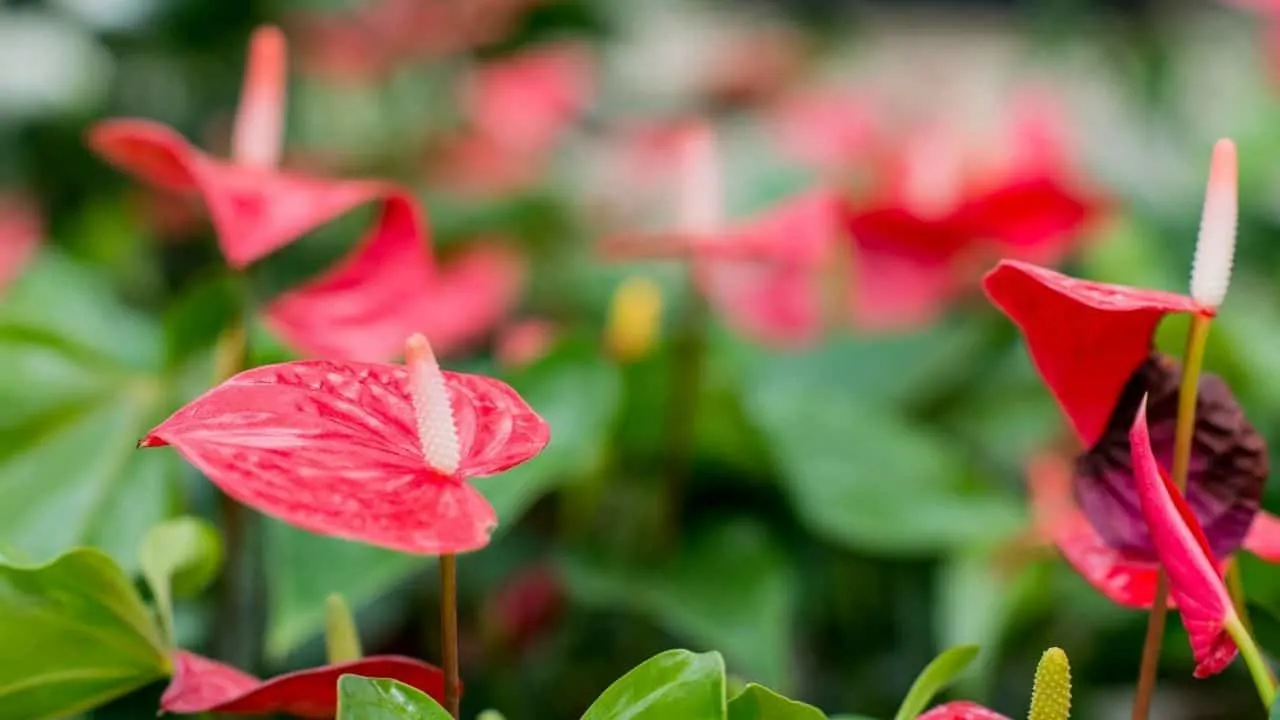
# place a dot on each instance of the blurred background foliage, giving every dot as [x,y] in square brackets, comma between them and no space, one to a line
[853,508]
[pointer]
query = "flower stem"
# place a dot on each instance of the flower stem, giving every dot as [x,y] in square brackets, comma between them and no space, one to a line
[449,631]
[1235,586]
[240,592]
[1188,389]
[685,385]
[1258,668]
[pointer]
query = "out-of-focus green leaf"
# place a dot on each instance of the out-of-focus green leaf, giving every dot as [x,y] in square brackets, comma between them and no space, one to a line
[673,684]
[576,396]
[863,476]
[361,698]
[76,634]
[730,588]
[935,677]
[81,379]
[179,557]
[760,703]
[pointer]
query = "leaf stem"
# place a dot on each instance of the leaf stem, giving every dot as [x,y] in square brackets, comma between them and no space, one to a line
[449,631]
[1188,389]
[1258,668]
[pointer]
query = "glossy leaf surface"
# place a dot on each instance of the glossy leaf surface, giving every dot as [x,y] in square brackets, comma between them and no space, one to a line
[78,635]
[760,703]
[363,698]
[673,684]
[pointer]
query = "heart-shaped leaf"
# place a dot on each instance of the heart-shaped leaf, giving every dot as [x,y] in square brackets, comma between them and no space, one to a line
[575,395]
[936,676]
[361,698]
[760,703]
[81,379]
[672,684]
[78,635]
[731,589]
[864,476]
[179,557]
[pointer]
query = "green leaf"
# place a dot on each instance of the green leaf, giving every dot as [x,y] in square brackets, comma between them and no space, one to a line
[77,635]
[179,557]
[731,588]
[760,703]
[863,476]
[361,698]
[939,674]
[577,396]
[1275,711]
[672,684]
[81,379]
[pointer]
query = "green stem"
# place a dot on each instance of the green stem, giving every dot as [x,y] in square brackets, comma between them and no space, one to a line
[240,593]
[1258,668]
[685,385]
[1235,586]
[1184,431]
[449,631]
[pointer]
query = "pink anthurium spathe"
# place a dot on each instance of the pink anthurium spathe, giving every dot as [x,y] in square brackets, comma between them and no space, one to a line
[1180,543]
[376,453]
[256,209]
[201,685]
[961,710]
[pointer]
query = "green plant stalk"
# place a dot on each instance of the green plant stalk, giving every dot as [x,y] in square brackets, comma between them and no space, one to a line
[1258,668]
[238,599]
[688,360]
[341,639]
[449,632]
[1184,432]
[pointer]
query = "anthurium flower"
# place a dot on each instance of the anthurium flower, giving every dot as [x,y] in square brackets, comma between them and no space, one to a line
[1195,583]
[201,685]
[21,232]
[962,710]
[1092,344]
[938,207]
[370,452]
[256,209]
[517,108]
[761,274]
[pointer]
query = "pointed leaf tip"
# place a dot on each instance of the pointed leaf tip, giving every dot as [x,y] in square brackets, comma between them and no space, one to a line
[1215,248]
[1051,696]
[432,407]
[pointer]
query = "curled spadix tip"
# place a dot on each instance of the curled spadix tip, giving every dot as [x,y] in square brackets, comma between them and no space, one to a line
[1216,246]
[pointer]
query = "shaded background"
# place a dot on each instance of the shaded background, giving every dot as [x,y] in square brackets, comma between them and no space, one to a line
[853,508]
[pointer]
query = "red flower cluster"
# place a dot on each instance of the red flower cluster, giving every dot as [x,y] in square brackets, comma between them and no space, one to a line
[363,308]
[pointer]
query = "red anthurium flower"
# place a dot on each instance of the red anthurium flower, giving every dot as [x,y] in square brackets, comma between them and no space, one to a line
[525,342]
[201,685]
[21,232]
[524,607]
[369,452]
[517,109]
[1092,344]
[826,130]
[939,207]
[961,711]
[365,306]
[760,274]
[1184,552]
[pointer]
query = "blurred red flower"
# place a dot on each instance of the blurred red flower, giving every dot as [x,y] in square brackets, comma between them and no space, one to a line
[524,606]
[524,342]
[361,309]
[201,685]
[21,233]
[1092,345]
[369,452]
[517,109]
